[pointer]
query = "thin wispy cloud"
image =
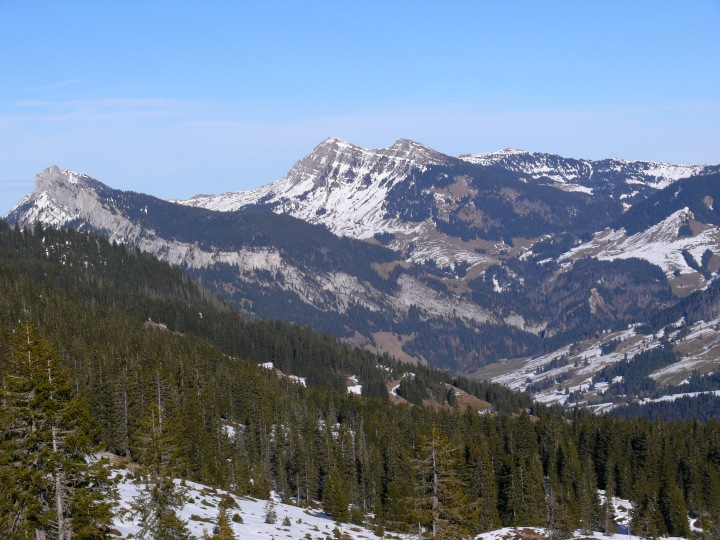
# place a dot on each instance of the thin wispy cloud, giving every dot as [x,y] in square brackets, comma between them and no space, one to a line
[101,109]
[56,85]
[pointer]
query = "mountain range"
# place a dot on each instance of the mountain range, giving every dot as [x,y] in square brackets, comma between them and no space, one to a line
[458,262]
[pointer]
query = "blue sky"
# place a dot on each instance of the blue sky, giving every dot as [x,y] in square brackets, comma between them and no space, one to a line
[178,98]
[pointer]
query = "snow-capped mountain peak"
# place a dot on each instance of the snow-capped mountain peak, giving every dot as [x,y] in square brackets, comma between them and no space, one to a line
[346,161]
[412,150]
[54,176]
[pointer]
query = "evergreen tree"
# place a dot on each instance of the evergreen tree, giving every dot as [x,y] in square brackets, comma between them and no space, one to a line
[558,525]
[480,476]
[270,512]
[522,498]
[440,500]
[159,497]
[397,512]
[335,499]
[50,485]
[646,520]
[609,525]
[223,529]
[673,508]
[588,502]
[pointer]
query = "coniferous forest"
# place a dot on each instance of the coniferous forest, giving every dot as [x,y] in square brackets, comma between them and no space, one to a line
[83,371]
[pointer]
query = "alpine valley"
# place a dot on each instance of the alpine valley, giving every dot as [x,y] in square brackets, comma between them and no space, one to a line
[583,282]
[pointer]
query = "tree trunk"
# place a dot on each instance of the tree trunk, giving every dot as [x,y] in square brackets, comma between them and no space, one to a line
[59,493]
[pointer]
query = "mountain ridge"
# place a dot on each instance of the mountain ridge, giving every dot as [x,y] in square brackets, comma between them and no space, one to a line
[354,191]
[484,264]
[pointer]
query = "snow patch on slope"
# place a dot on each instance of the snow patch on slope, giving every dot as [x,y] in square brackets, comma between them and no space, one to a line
[589,360]
[201,516]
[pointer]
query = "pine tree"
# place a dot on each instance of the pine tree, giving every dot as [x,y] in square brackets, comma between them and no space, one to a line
[50,485]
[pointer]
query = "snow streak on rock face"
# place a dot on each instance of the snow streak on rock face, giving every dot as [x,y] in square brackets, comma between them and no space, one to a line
[414,293]
[63,197]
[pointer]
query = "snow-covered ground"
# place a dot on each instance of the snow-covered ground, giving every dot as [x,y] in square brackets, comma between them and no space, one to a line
[201,515]
[534,533]
[201,512]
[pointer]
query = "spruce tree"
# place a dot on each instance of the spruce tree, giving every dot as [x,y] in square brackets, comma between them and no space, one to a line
[335,499]
[558,523]
[480,478]
[397,506]
[223,529]
[672,506]
[522,496]
[609,525]
[270,512]
[646,519]
[440,500]
[159,498]
[50,483]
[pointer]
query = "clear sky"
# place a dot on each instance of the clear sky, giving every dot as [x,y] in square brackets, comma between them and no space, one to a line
[175,98]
